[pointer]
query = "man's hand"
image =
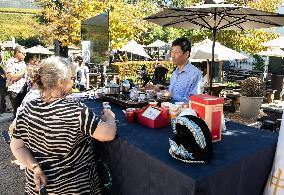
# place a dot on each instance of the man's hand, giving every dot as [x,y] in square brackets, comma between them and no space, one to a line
[39,178]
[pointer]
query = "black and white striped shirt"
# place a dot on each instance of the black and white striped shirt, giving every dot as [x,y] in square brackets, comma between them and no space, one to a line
[59,136]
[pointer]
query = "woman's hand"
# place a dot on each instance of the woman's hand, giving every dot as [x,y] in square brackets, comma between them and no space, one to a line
[107,115]
[39,178]
[106,130]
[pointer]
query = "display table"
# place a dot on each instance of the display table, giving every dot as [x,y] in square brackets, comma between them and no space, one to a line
[141,164]
[273,110]
[216,88]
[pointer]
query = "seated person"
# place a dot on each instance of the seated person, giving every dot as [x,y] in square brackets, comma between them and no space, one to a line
[144,75]
[160,75]
[186,79]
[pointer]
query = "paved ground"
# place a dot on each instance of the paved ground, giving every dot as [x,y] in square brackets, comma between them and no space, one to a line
[11,177]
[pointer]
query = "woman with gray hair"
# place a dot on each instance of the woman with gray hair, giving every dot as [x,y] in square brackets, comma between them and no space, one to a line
[53,136]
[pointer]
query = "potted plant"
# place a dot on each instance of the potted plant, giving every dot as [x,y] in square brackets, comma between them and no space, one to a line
[252,91]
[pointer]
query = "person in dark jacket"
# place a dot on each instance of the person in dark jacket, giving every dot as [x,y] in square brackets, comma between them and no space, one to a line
[2,89]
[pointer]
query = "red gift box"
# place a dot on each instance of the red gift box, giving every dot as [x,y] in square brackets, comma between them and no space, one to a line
[210,109]
[162,120]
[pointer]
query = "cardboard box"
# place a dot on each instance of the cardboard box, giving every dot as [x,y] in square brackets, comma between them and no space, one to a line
[210,109]
[161,120]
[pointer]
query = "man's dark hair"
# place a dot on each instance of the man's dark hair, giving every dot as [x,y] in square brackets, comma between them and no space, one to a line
[78,58]
[184,44]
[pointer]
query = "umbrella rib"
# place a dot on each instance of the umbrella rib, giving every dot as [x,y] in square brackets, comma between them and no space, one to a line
[262,21]
[236,22]
[221,19]
[208,25]
[184,18]
[260,18]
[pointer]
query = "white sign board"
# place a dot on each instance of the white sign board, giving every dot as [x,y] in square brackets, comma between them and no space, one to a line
[86,50]
[275,183]
[151,113]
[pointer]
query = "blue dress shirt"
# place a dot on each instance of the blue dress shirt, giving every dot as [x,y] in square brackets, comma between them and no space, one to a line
[186,83]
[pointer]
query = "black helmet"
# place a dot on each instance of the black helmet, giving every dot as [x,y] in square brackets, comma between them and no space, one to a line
[192,141]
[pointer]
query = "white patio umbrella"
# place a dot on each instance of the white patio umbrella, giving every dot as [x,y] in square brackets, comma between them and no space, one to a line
[135,48]
[168,46]
[39,50]
[51,47]
[156,44]
[203,51]
[274,52]
[279,42]
[71,52]
[215,17]
[270,52]
[8,44]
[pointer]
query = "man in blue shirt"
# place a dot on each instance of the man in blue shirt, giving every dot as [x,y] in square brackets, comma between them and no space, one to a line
[186,79]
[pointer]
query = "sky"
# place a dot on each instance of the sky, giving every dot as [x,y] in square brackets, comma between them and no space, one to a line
[281,11]
[281,8]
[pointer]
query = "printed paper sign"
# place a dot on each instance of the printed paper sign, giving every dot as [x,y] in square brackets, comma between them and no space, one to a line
[151,113]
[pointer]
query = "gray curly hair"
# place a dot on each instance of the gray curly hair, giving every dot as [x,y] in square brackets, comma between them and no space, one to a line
[52,69]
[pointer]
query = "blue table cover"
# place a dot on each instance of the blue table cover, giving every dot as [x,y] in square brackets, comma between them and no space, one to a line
[141,164]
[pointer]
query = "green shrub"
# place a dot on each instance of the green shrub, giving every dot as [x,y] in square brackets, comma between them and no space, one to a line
[131,69]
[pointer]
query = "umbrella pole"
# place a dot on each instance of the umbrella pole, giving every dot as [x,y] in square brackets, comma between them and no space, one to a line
[212,61]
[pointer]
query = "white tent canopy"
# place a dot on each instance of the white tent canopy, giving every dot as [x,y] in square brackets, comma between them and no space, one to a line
[270,52]
[203,51]
[156,44]
[279,42]
[51,47]
[135,48]
[8,44]
[39,50]
[274,52]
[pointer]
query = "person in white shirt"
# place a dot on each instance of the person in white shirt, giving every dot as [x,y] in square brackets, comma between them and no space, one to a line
[82,74]
[16,70]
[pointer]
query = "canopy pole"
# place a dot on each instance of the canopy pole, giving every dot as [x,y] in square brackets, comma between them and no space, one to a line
[212,61]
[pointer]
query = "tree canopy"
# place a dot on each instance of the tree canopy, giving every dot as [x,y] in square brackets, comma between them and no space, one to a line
[64,17]
[61,19]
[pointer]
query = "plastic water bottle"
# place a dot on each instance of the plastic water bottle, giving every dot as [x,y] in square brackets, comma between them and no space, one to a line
[106,105]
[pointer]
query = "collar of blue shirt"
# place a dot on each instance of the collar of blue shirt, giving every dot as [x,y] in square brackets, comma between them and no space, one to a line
[186,68]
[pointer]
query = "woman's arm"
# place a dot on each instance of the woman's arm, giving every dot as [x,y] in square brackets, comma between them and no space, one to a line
[106,129]
[22,153]
[17,76]
[25,157]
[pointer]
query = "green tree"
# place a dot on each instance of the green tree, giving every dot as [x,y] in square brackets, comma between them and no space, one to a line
[63,19]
